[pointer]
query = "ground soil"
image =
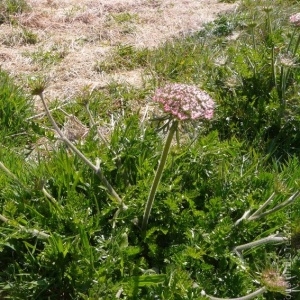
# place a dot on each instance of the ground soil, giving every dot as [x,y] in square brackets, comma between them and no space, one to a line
[83,32]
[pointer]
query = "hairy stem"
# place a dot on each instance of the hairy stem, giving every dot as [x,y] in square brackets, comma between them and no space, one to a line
[95,168]
[257,215]
[10,174]
[158,174]
[274,238]
[34,232]
[52,200]
[93,123]
[247,297]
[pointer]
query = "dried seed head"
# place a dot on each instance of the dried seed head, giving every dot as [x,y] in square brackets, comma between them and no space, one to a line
[37,84]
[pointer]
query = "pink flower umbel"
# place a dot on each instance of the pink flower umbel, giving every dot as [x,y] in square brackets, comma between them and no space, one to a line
[180,102]
[274,281]
[185,101]
[295,19]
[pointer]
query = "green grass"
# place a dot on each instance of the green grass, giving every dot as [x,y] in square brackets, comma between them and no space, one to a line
[46,58]
[123,57]
[64,235]
[20,37]
[8,8]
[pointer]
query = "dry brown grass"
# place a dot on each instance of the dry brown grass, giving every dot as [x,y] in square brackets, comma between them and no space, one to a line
[88,29]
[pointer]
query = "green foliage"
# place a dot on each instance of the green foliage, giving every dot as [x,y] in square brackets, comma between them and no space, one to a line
[15,107]
[63,236]
[11,7]
[20,37]
[124,57]
[124,17]
[45,58]
[247,72]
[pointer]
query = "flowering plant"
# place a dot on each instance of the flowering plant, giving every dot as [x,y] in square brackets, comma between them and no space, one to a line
[295,19]
[185,101]
[182,102]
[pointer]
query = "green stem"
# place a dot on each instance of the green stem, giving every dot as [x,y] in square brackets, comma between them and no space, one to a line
[296,46]
[158,174]
[52,200]
[291,40]
[273,66]
[270,29]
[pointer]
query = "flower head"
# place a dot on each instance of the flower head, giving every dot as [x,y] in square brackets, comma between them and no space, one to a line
[287,61]
[295,19]
[274,281]
[185,101]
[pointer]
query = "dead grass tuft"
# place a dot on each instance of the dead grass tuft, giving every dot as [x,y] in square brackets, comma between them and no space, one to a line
[84,17]
[37,20]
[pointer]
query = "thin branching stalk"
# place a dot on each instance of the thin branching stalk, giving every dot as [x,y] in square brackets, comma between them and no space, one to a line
[245,216]
[44,113]
[158,174]
[247,297]
[296,46]
[259,212]
[291,39]
[274,238]
[95,168]
[283,83]
[93,123]
[262,207]
[276,208]
[270,30]
[52,200]
[10,174]
[33,232]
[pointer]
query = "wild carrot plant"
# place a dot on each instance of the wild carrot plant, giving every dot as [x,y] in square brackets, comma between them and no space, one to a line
[181,102]
[213,216]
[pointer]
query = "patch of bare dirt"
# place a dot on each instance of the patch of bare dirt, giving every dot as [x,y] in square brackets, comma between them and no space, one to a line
[72,35]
